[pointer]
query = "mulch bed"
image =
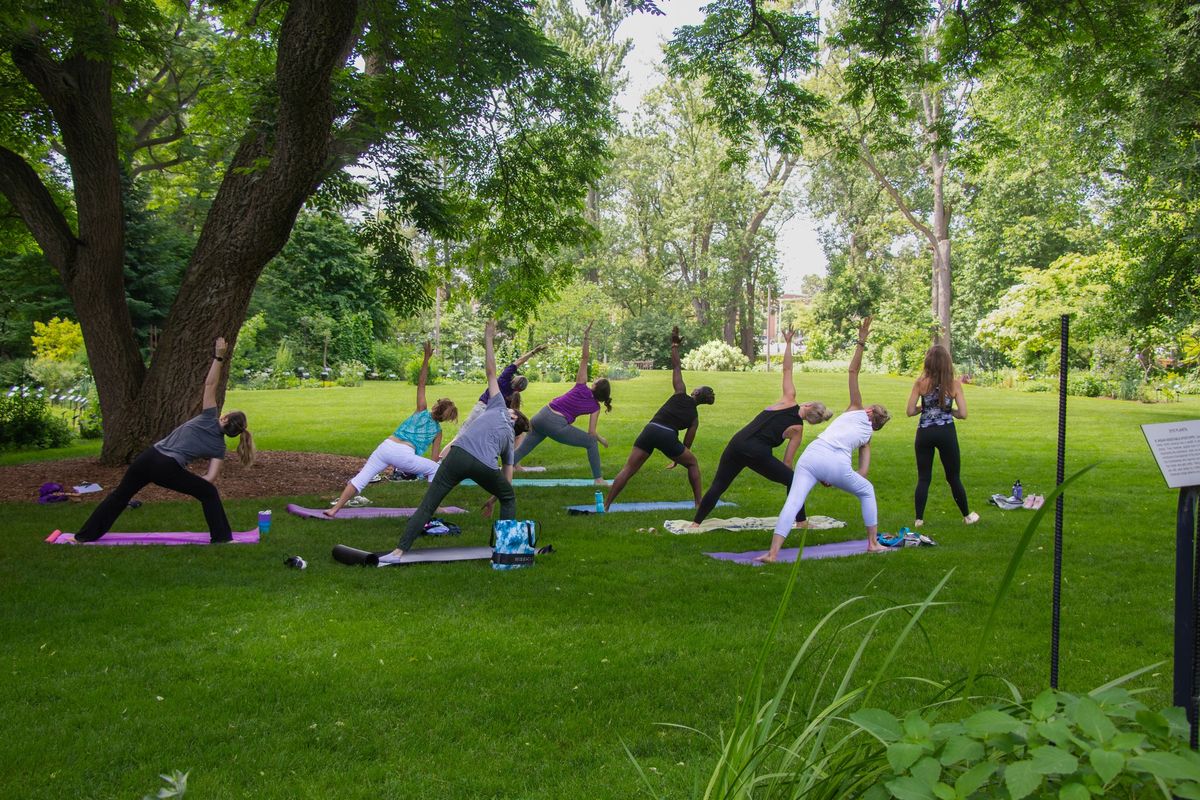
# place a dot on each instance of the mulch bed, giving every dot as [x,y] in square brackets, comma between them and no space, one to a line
[276,473]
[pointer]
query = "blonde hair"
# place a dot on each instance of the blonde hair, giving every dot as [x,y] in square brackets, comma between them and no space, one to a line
[879,416]
[235,425]
[817,413]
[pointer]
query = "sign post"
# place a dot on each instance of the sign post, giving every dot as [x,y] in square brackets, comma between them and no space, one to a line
[1176,448]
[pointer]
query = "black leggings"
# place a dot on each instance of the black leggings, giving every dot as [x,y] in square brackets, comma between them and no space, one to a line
[456,467]
[943,439]
[737,456]
[151,466]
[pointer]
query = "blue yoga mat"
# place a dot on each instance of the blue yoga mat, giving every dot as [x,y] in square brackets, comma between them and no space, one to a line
[666,505]
[547,482]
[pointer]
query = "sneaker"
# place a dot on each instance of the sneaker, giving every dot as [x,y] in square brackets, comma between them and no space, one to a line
[388,559]
[377,478]
[971,519]
[918,523]
[358,501]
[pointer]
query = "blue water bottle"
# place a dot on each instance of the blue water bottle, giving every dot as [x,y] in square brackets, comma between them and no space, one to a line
[599,502]
[1018,491]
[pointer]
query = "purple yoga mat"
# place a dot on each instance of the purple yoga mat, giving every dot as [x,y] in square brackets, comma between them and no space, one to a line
[365,512]
[788,555]
[239,537]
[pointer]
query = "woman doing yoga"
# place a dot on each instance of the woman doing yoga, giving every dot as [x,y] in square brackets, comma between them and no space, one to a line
[752,446]
[402,450]
[554,420]
[476,451]
[942,400]
[662,432]
[165,462]
[827,460]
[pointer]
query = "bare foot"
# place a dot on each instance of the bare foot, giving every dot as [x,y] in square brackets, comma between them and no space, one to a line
[601,482]
[330,512]
[875,547]
[765,558]
[693,526]
[799,525]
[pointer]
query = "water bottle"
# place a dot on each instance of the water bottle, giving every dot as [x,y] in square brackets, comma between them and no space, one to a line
[599,502]
[1017,490]
[264,522]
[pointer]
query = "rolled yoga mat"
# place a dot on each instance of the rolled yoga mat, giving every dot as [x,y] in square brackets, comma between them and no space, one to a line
[546,482]
[663,505]
[352,556]
[815,523]
[239,537]
[365,512]
[787,556]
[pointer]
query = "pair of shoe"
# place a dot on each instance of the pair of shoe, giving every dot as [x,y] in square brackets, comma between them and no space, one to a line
[1034,501]
[971,519]
[358,501]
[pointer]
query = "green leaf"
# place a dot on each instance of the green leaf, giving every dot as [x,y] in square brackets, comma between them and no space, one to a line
[1167,766]
[1127,740]
[915,727]
[1154,723]
[944,791]
[990,721]
[1022,779]
[927,771]
[878,723]
[1074,791]
[1044,704]
[902,755]
[945,730]
[909,788]
[1188,790]
[1050,760]
[1106,763]
[969,782]
[961,748]
[1092,720]
[1057,731]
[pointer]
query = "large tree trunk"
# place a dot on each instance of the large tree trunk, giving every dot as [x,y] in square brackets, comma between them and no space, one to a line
[272,173]
[939,223]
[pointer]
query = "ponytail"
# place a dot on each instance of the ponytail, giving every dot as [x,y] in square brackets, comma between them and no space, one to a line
[245,449]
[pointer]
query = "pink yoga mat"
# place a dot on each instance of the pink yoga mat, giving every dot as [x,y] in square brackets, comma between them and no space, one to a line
[788,555]
[365,512]
[239,537]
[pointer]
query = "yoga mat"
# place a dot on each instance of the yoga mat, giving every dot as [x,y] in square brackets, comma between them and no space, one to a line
[365,512]
[664,505]
[546,482]
[788,555]
[239,537]
[816,523]
[531,469]
[352,556]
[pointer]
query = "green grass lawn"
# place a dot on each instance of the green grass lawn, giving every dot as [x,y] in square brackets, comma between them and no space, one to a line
[458,681]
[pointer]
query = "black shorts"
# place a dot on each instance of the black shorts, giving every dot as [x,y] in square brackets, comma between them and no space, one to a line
[656,437]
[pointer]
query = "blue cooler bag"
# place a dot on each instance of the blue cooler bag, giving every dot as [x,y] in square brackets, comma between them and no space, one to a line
[514,543]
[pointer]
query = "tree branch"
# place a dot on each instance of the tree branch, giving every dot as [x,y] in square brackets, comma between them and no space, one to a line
[36,208]
[864,155]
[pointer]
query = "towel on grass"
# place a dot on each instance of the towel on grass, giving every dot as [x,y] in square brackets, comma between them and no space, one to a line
[816,523]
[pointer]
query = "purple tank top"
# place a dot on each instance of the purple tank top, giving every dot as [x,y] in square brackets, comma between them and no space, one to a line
[576,403]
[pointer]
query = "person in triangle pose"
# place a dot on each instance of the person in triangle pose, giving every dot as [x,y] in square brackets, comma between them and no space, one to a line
[662,431]
[828,459]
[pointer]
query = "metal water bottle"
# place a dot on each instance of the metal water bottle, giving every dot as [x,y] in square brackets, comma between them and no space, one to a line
[1018,491]
[599,502]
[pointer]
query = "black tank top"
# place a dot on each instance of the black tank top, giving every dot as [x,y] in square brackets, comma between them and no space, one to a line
[768,426]
[679,412]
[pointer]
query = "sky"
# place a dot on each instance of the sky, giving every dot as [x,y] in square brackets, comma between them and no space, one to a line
[800,252]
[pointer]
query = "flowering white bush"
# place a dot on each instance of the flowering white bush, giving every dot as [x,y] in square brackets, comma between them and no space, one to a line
[715,356]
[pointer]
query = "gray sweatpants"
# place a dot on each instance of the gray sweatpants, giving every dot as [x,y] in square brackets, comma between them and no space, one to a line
[548,425]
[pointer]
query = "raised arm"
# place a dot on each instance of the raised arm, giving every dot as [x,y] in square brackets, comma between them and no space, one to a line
[489,357]
[789,388]
[856,364]
[676,373]
[521,361]
[423,377]
[214,374]
[582,375]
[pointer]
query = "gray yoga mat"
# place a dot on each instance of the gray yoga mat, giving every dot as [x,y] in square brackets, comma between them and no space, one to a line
[426,555]
[547,482]
[788,555]
[365,512]
[659,505]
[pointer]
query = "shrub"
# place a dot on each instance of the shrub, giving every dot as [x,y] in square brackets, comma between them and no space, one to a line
[27,421]
[350,373]
[561,362]
[12,372]
[620,371]
[715,356]
[91,421]
[56,376]
[413,371]
[1089,384]
[391,357]
[57,340]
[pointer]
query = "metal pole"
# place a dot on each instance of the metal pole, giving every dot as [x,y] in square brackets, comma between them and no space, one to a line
[1187,600]
[1056,600]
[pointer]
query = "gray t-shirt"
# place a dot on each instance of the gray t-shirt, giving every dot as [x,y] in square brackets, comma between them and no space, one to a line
[490,435]
[199,437]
